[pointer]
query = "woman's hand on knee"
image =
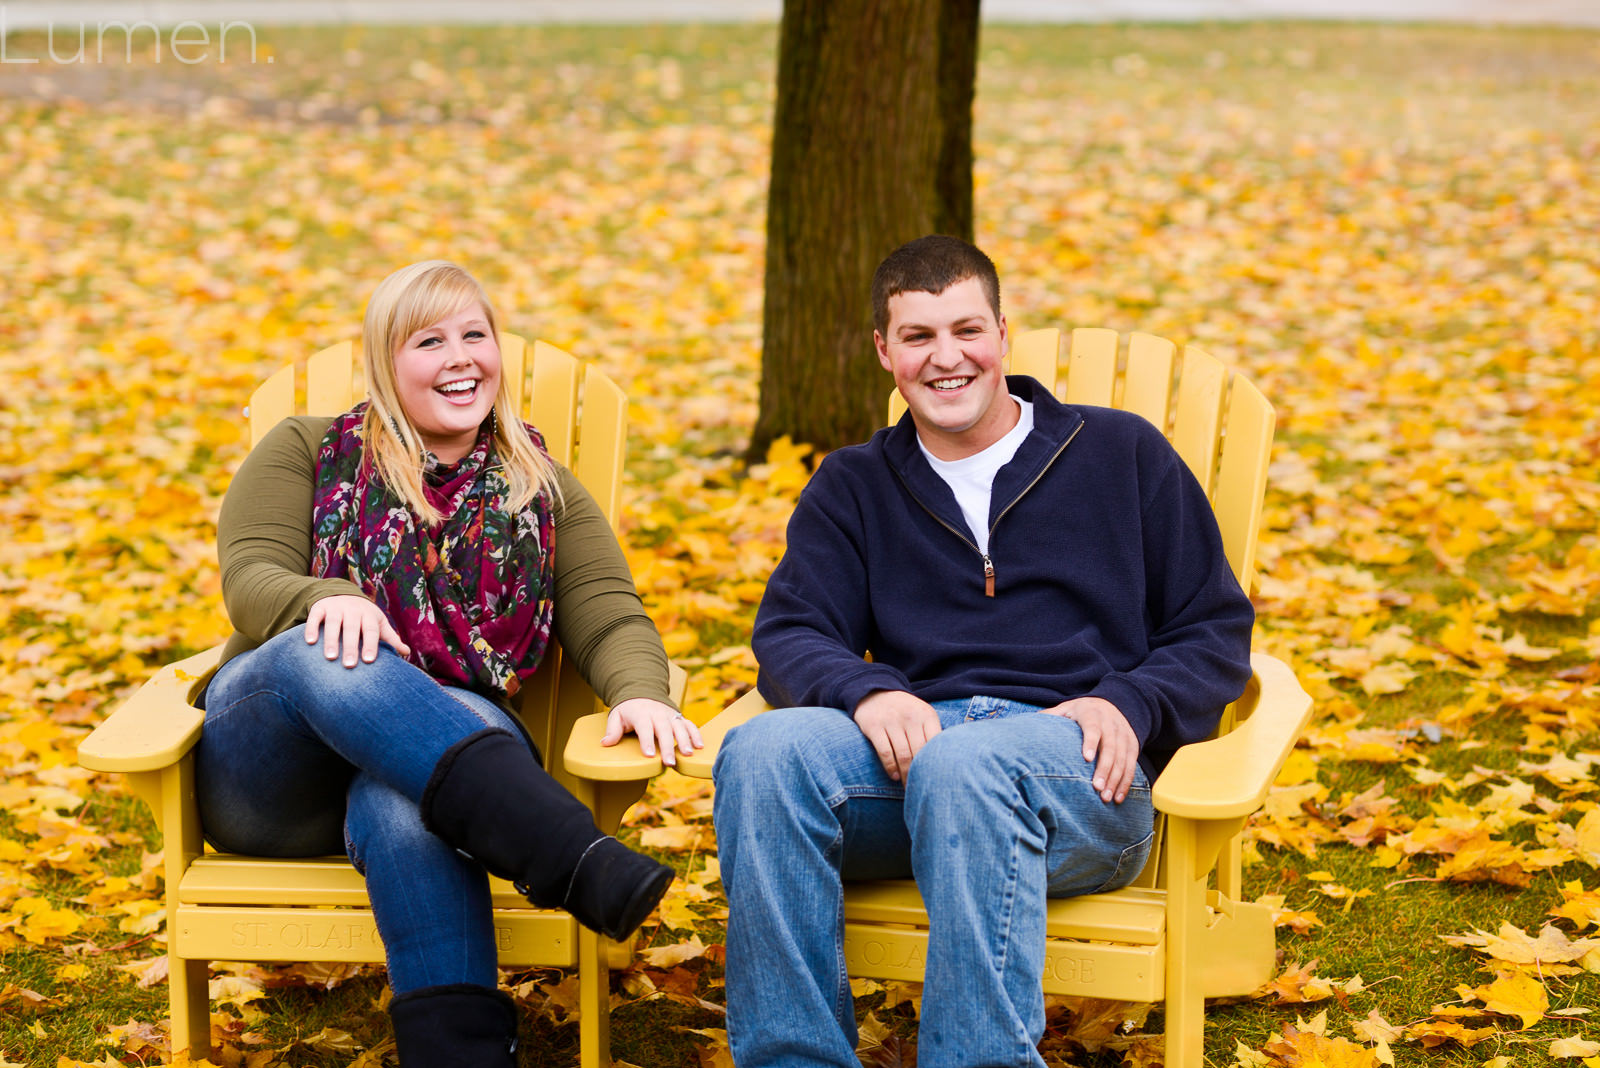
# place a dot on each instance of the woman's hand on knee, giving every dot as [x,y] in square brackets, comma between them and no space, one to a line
[353,625]
[656,724]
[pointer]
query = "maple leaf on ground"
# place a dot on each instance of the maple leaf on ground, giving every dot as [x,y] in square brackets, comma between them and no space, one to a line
[1552,952]
[1574,1047]
[1297,985]
[1512,994]
[1436,1032]
[879,1047]
[676,915]
[332,1040]
[716,1054]
[324,975]
[37,922]
[1481,857]
[1562,770]
[138,1038]
[1307,1049]
[185,1059]
[1376,1029]
[675,954]
[559,1000]
[1587,838]
[1380,1033]
[1580,906]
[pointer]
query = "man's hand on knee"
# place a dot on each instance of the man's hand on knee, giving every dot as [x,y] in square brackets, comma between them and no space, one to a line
[1108,740]
[898,725]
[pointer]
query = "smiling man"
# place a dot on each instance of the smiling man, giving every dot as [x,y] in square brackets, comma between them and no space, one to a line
[1049,615]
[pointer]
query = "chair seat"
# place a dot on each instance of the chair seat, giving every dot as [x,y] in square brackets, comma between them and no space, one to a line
[317,909]
[1131,916]
[1101,945]
[225,879]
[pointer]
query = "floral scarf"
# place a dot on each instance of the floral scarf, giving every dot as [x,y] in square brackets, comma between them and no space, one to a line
[472,598]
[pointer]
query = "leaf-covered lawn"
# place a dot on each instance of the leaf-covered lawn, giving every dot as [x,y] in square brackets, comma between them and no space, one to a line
[1392,229]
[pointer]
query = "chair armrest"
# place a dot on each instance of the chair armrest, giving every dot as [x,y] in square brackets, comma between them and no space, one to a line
[155,727]
[1228,777]
[586,758]
[745,708]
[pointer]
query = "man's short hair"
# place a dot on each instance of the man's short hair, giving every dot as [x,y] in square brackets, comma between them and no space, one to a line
[931,264]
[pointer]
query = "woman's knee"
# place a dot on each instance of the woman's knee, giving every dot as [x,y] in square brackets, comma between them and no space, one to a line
[295,670]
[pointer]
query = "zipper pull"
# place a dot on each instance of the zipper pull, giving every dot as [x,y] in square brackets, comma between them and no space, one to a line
[988,576]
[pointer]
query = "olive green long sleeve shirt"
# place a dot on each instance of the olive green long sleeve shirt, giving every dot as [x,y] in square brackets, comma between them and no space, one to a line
[264,546]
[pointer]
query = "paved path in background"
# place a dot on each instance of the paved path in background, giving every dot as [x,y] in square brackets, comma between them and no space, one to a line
[69,13]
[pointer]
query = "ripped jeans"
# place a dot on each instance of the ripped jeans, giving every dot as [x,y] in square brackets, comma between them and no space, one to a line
[303,757]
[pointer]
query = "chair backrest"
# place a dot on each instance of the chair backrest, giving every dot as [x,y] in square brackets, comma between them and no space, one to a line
[1216,420]
[583,417]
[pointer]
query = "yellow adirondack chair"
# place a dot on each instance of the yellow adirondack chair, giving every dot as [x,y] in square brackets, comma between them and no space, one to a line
[226,907]
[1169,937]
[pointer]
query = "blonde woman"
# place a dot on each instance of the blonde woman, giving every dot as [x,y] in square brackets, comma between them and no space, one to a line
[393,574]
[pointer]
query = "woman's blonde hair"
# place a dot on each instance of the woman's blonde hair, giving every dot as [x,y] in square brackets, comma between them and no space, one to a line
[408,300]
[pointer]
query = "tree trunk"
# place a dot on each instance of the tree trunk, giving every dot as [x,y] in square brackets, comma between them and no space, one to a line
[872,147]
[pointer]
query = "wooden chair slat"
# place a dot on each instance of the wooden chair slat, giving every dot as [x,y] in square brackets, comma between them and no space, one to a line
[1036,354]
[1242,475]
[600,450]
[325,882]
[513,352]
[330,379]
[271,403]
[1092,366]
[1129,915]
[553,403]
[1147,389]
[1199,413]
[523,936]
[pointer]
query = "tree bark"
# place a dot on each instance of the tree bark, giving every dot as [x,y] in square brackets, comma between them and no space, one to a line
[872,147]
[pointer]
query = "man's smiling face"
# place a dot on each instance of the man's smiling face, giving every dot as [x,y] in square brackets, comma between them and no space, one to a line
[945,351]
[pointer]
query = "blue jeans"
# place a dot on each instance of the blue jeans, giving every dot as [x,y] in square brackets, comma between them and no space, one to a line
[301,756]
[997,813]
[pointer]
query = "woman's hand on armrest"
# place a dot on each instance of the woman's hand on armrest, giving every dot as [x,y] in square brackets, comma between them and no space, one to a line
[656,724]
[353,623]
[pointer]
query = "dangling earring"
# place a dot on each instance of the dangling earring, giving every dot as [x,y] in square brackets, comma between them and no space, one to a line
[494,423]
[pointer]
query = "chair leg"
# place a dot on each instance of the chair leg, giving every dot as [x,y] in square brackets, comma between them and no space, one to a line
[189,993]
[1186,917]
[594,1001]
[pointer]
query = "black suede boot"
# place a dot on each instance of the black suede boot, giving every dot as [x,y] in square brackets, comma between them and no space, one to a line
[492,800]
[615,888]
[457,1026]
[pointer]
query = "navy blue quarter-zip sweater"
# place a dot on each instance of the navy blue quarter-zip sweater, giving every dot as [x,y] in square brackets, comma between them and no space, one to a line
[1108,580]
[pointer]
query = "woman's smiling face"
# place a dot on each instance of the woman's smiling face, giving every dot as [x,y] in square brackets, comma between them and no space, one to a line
[448,374]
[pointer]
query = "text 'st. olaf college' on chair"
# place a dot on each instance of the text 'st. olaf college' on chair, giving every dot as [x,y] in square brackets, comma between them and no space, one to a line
[1172,936]
[227,907]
